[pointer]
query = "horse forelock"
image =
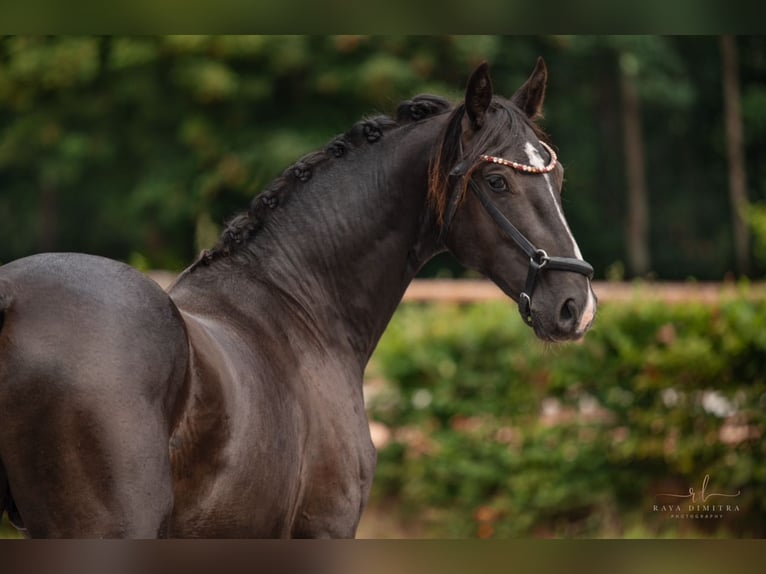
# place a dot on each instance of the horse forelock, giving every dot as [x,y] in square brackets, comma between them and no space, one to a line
[499,129]
[367,131]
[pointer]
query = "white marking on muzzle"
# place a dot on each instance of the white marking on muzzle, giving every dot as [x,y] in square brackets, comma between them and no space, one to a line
[588,313]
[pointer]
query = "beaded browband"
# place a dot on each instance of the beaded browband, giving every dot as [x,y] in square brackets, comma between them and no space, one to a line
[522,166]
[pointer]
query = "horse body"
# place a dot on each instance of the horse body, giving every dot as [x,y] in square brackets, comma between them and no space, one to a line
[232,405]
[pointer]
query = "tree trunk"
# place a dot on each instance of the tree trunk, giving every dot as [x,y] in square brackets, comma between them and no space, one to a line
[735,151]
[638,205]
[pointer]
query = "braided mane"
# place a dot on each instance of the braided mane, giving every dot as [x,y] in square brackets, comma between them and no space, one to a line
[243,226]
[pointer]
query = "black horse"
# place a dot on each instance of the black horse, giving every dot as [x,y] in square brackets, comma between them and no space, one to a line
[231,405]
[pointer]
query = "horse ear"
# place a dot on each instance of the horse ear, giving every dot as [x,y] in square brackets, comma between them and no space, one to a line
[478,95]
[529,97]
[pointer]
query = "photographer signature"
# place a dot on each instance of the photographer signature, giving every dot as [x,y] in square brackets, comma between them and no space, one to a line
[703,494]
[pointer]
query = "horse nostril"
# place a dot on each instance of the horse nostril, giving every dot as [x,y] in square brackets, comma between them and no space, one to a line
[568,316]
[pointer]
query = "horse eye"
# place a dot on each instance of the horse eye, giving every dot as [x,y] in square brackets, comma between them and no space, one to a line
[497,183]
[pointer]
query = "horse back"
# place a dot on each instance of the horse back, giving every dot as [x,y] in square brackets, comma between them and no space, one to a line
[93,358]
[65,312]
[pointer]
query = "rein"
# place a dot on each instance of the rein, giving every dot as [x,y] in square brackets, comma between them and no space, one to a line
[538,258]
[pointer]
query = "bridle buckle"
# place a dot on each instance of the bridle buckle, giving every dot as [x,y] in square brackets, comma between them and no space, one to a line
[525,307]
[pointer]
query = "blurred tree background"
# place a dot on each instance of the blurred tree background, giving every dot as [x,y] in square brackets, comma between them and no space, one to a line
[139,148]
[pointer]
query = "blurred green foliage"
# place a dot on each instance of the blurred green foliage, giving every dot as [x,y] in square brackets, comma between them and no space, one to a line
[493,433]
[272,16]
[139,147]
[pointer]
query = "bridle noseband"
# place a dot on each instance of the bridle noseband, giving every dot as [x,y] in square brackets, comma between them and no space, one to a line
[538,258]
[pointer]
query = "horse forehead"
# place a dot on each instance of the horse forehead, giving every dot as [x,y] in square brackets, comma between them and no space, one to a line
[517,141]
[533,155]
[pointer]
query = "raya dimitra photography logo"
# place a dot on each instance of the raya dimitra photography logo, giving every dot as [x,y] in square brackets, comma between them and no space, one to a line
[697,504]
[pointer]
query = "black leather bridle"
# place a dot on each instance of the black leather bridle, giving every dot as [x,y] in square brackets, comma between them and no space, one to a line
[538,258]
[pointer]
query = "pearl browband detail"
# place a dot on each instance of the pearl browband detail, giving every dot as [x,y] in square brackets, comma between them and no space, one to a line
[522,166]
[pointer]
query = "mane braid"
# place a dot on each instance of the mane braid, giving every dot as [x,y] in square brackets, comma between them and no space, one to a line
[244,226]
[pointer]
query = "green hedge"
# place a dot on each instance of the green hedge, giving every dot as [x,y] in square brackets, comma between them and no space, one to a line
[492,433]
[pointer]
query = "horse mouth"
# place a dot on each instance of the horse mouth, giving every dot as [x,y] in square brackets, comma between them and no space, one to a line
[556,337]
[562,328]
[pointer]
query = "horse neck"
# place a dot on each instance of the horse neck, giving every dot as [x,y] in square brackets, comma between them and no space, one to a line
[340,252]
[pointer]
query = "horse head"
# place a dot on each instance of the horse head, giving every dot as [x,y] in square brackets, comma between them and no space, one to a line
[496,185]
